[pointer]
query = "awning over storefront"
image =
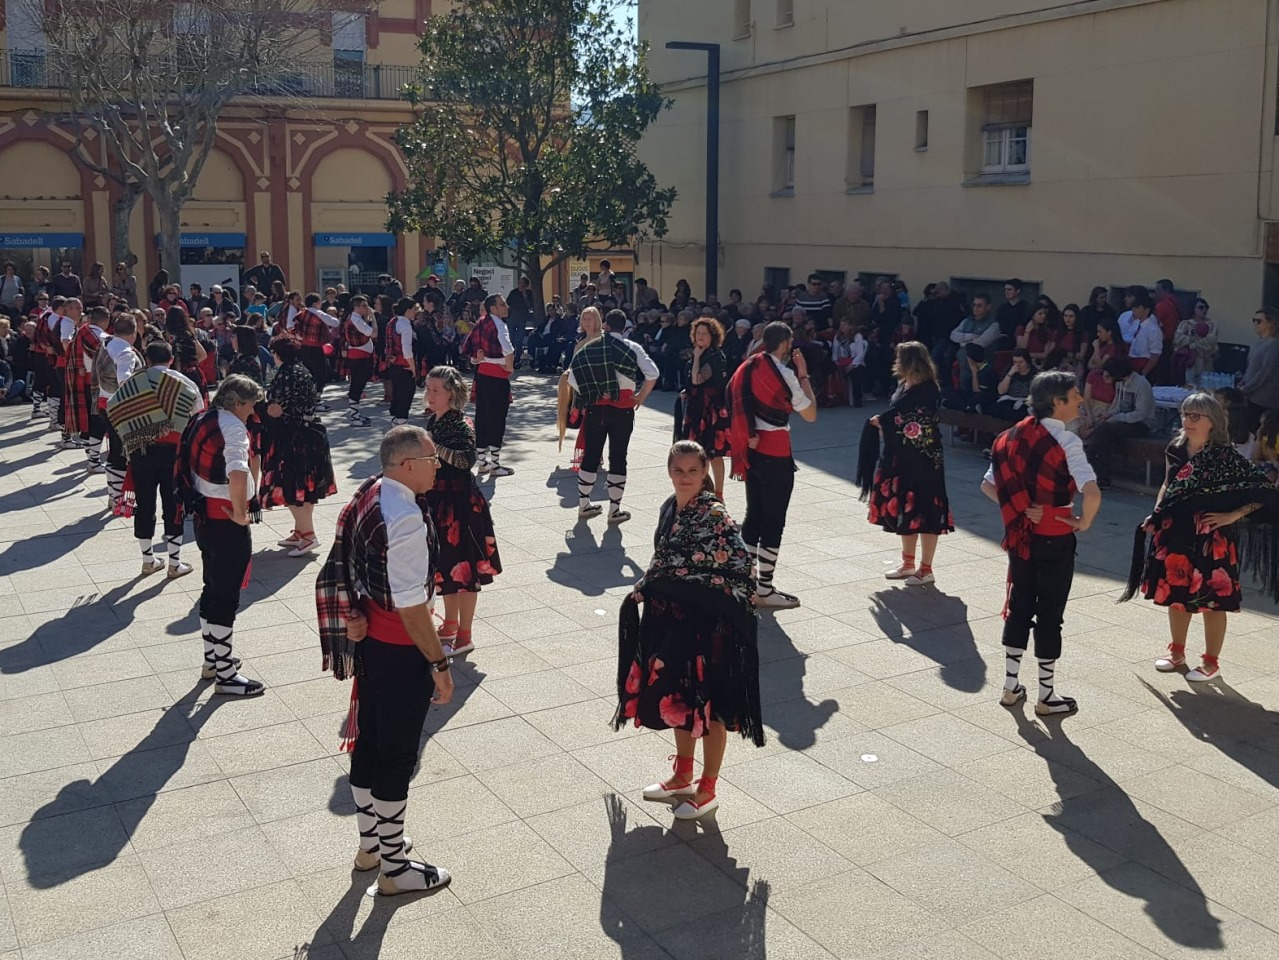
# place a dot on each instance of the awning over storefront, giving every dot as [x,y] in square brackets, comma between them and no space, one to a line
[355,239]
[38,241]
[232,240]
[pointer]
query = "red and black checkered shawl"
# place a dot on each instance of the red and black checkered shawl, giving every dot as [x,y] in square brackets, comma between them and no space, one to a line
[202,452]
[310,328]
[484,339]
[1030,470]
[356,567]
[755,390]
[82,398]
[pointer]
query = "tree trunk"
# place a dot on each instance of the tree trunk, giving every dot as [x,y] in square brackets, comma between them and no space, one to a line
[169,212]
[121,216]
[536,281]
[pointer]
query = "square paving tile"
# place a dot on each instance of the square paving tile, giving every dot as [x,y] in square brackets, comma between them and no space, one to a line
[115,893]
[269,921]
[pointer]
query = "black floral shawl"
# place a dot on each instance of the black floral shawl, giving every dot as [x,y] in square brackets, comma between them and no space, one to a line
[701,560]
[1217,480]
[909,432]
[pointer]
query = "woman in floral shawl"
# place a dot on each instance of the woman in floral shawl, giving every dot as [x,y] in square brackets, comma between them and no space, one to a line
[468,547]
[907,483]
[691,663]
[1192,564]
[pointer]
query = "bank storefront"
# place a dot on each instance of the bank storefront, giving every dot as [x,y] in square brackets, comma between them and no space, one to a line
[30,250]
[355,259]
[210,258]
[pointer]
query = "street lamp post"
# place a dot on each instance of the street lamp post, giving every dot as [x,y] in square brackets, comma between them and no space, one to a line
[712,157]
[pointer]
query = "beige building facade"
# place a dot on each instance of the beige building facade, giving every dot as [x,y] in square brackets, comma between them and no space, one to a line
[302,174]
[1099,142]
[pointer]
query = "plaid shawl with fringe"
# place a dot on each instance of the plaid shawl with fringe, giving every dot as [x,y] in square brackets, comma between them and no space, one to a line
[356,567]
[1030,469]
[150,404]
[755,390]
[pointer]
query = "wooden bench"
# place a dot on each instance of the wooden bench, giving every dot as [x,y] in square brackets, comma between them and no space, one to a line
[1146,452]
[979,423]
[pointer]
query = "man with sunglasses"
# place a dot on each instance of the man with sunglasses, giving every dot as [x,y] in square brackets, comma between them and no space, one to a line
[265,273]
[374,597]
[66,284]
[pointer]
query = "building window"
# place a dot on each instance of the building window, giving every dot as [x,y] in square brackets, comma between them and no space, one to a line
[1006,119]
[349,37]
[921,130]
[741,19]
[785,13]
[861,149]
[778,278]
[784,155]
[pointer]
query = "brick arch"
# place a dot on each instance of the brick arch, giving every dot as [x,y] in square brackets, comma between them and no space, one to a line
[347,135]
[14,129]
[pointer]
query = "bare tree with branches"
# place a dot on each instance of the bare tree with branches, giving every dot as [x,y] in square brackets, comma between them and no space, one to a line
[151,79]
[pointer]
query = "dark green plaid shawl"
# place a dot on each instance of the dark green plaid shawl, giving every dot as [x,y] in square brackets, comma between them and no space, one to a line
[596,366]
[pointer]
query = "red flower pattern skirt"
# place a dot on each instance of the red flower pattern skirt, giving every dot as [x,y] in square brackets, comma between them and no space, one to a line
[1192,569]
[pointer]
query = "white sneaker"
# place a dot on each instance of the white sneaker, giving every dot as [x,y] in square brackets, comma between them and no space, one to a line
[915,580]
[291,540]
[901,573]
[179,569]
[304,546]
[1203,673]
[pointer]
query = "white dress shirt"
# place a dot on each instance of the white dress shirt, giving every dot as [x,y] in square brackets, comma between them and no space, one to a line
[364,327]
[408,564]
[404,330]
[798,399]
[1081,470]
[1128,326]
[125,359]
[504,338]
[235,438]
[1148,341]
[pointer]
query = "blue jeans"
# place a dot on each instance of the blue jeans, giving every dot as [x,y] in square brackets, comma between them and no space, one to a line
[17,392]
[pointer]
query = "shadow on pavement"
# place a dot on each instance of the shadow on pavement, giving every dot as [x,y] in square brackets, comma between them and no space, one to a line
[1110,818]
[137,776]
[91,620]
[1216,713]
[738,932]
[934,624]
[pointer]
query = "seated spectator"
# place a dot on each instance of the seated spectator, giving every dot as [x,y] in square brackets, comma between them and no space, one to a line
[1039,335]
[1260,380]
[1131,414]
[979,327]
[1013,402]
[1148,342]
[848,352]
[1244,440]
[1194,346]
[1071,348]
[11,390]
[982,396]
[736,343]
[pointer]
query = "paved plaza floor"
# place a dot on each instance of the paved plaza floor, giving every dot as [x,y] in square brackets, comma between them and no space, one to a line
[897,810]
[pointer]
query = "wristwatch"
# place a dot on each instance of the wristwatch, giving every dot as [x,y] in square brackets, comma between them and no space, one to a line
[441,665]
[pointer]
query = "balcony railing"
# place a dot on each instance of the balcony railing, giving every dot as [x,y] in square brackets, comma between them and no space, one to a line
[341,79]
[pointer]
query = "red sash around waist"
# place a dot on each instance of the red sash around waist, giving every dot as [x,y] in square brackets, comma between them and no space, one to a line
[773,443]
[385,625]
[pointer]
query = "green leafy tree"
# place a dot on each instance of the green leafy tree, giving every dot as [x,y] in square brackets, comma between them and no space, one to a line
[525,149]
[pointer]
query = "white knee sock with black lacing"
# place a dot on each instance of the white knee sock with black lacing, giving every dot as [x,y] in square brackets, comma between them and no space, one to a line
[115,484]
[1012,667]
[174,547]
[148,553]
[225,667]
[365,819]
[765,566]
[585,484]
[616,488]
[1047,694]
[495,456]
[399,873]
[55,404]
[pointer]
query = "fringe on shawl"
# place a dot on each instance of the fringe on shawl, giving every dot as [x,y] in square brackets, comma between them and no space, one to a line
[867,460]
[1137,567]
